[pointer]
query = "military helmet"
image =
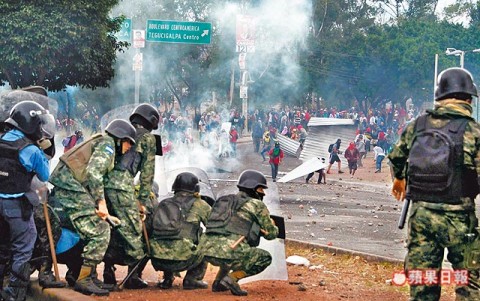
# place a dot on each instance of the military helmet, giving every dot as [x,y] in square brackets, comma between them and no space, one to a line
[121,129]
[146,115]
[32,119]
[252,179]
[186,181]
[454,81]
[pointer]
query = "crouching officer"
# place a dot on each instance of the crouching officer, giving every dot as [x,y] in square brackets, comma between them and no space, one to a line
[176,234]
[126,246]
[78,180]
[231,240]
[29,125]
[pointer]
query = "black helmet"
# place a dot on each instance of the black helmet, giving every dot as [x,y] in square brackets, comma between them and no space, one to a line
[455,82]
[146,115]
[32,119]
[186,181]
[277,143]
[252,179]
[121,129]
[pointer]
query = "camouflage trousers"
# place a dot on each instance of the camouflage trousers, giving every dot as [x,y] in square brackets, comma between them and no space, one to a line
[431,229]
[93,231]
[126,244]
[253,261]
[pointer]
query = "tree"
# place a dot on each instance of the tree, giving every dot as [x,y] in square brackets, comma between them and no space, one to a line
[55,43]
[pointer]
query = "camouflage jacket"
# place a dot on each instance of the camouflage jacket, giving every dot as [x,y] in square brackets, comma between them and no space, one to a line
[446,108]
[185,248]
[101,162]
[218,246]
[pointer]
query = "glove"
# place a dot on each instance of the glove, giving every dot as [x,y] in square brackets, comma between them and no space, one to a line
[102,209]
[398,189]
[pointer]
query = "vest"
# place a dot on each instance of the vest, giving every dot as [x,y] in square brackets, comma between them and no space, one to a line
[131,160]
[14,177]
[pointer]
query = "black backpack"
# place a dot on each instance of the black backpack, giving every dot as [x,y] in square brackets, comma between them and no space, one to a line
[330,148]
[435,160]
[223,210]
[170,217]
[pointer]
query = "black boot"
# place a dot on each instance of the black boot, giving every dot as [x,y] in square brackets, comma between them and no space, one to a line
[194,276]
[17,289]
[217,286]
[135,282]
[3,268]
[230,281]
[46,279]
[167,281]
[85,285]
[100,283]
[109,274]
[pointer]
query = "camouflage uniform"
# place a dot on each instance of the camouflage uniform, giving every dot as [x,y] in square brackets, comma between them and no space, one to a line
[180,254]
[434,226]
[79,200]
[126,245]
[251,260]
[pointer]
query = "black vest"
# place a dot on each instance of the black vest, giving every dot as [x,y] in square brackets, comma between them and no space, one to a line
[14,177]
[131,160]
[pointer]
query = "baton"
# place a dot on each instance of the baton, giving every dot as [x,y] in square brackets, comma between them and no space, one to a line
[133,270]
[403,216]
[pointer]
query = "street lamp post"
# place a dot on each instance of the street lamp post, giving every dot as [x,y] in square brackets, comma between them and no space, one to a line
[460,53]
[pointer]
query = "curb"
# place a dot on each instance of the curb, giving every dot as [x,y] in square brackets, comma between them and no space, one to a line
[335,250]
[37,293]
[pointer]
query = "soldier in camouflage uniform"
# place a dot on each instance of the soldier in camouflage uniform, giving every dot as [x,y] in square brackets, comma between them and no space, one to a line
[79,187]
[237,254]
[180,252]
[126,245]
[438,221]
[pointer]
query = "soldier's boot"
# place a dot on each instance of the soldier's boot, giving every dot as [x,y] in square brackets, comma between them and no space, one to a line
[141,268]
[85,285]
[167,281]
[46,279]
[193,278]
[17,289]
[3,269]
[99,283]
[231,282]
[135,282]
[72,273]
[109,274]
[217,286]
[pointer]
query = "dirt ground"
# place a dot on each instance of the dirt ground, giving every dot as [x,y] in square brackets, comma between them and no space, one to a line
[330,276]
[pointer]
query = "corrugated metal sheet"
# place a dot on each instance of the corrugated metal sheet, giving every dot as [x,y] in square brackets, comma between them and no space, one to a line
[289,146]
[324,131]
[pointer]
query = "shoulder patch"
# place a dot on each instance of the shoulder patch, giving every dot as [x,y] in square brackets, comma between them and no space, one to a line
[109,149]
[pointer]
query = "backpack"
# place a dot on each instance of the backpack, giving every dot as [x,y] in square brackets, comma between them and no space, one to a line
[435,160]
[330,148]
[222,211]
[170,217]
[66,141]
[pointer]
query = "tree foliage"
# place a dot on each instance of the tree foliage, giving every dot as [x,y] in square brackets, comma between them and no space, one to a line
[58,43]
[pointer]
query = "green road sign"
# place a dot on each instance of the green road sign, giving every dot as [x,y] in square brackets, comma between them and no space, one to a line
[178,32]
[125,33]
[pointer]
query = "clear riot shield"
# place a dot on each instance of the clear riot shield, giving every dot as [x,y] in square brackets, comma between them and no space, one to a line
[278,269]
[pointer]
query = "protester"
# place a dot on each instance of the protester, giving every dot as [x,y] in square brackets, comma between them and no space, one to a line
[378,158]
[71,141]
[276,156]
[352,155]
[334,152]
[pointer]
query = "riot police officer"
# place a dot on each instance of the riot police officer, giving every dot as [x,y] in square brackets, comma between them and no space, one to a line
[176,250]
[442,214]
[79,188]
[126,246]
[233,245]
[29,127]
